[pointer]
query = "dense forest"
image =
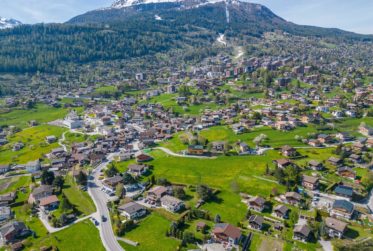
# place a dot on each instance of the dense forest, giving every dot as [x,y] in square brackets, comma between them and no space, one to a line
[113,34]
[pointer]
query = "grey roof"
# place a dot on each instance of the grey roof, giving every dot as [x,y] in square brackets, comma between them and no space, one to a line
[10,227]
[302,229]
[345,190]
[131,207]
[344,204]
[258,219]
[281,208]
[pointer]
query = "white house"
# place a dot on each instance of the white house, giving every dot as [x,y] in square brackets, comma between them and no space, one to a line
[132,210]
[73,121]
[171,204]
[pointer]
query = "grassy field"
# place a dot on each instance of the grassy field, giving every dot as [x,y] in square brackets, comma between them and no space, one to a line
[35,145]
[151,235]
[77,197]
[41,113]
[79,237]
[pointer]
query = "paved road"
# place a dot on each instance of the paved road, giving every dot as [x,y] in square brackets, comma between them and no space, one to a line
[61,140]
[100,199]
[168,151]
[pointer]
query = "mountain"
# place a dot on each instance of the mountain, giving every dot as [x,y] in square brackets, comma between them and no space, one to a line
[137,28]
[8,23]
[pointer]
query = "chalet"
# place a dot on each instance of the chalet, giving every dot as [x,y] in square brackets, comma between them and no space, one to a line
[238,128]
[346,172]
[324,138]
[289,151]
[335,161]
[195,150]
[301,233]
[171,203]
[137,170]
[335,228]
[343,136]
[293,198]
[39,193]
[226,234]
[281,211]
[310,182]
[283,163]
[256,203]
[49,203]
[132,210]
[358,147]
[18,146]
[155,194]
[355,158]
[111,183]
[244,148]
[342,209]
[315,165]
[13,231]
[344,191]
[314,143]
[143,158]
[256,222]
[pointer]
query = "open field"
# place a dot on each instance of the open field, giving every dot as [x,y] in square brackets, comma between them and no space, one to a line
[79,237]
[42,114]
[35,145]
[77,197]
[151,235]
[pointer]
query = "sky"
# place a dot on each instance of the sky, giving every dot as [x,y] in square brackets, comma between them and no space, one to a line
[351,15]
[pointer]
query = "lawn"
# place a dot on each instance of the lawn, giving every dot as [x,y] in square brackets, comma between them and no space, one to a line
[79,237]
[77,197]
[151,235]
[35,145]
[41,113]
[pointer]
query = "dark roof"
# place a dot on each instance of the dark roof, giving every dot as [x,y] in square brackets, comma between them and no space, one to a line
[302,229]
[345,190]
[344,204]
[257,200]
[131,207]
[281,208]
[15,226]
[257,219]
[228,230]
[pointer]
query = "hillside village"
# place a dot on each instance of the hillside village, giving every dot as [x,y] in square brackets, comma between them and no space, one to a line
[307,129]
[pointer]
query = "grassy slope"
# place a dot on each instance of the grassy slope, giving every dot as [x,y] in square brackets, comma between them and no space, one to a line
[42,113]
[35,144]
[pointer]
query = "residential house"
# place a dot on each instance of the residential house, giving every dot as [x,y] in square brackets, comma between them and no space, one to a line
[281,211]
[244,148]
[289,151]
[51,139]
[39,193]
[49,203]
[344,191]
[111,183]
[335,161]
[301,232]
[5,213]
[6,199]
[141,158]
[310,182]
[155,194]
[137,170]
[256,222]
[12,231]
[195,150]
[283,163]
[218,146]
[342,209]
[256,203]
[33,166]
[335,228]
[343,136]
[132,210]
[315,165]
[293,198]
[366,130]
[171,203]
[324,138]
[346,172]
[226,234]
[4,168]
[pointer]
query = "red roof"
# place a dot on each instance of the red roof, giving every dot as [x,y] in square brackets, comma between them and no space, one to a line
[48,200]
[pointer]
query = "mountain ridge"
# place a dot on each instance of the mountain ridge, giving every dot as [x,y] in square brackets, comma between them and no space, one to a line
[7,23]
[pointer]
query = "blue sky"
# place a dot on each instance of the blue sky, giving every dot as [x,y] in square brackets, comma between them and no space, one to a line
[352,15]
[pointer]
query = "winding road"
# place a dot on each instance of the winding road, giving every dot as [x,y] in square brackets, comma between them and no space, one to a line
[169,152]
[100,199]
